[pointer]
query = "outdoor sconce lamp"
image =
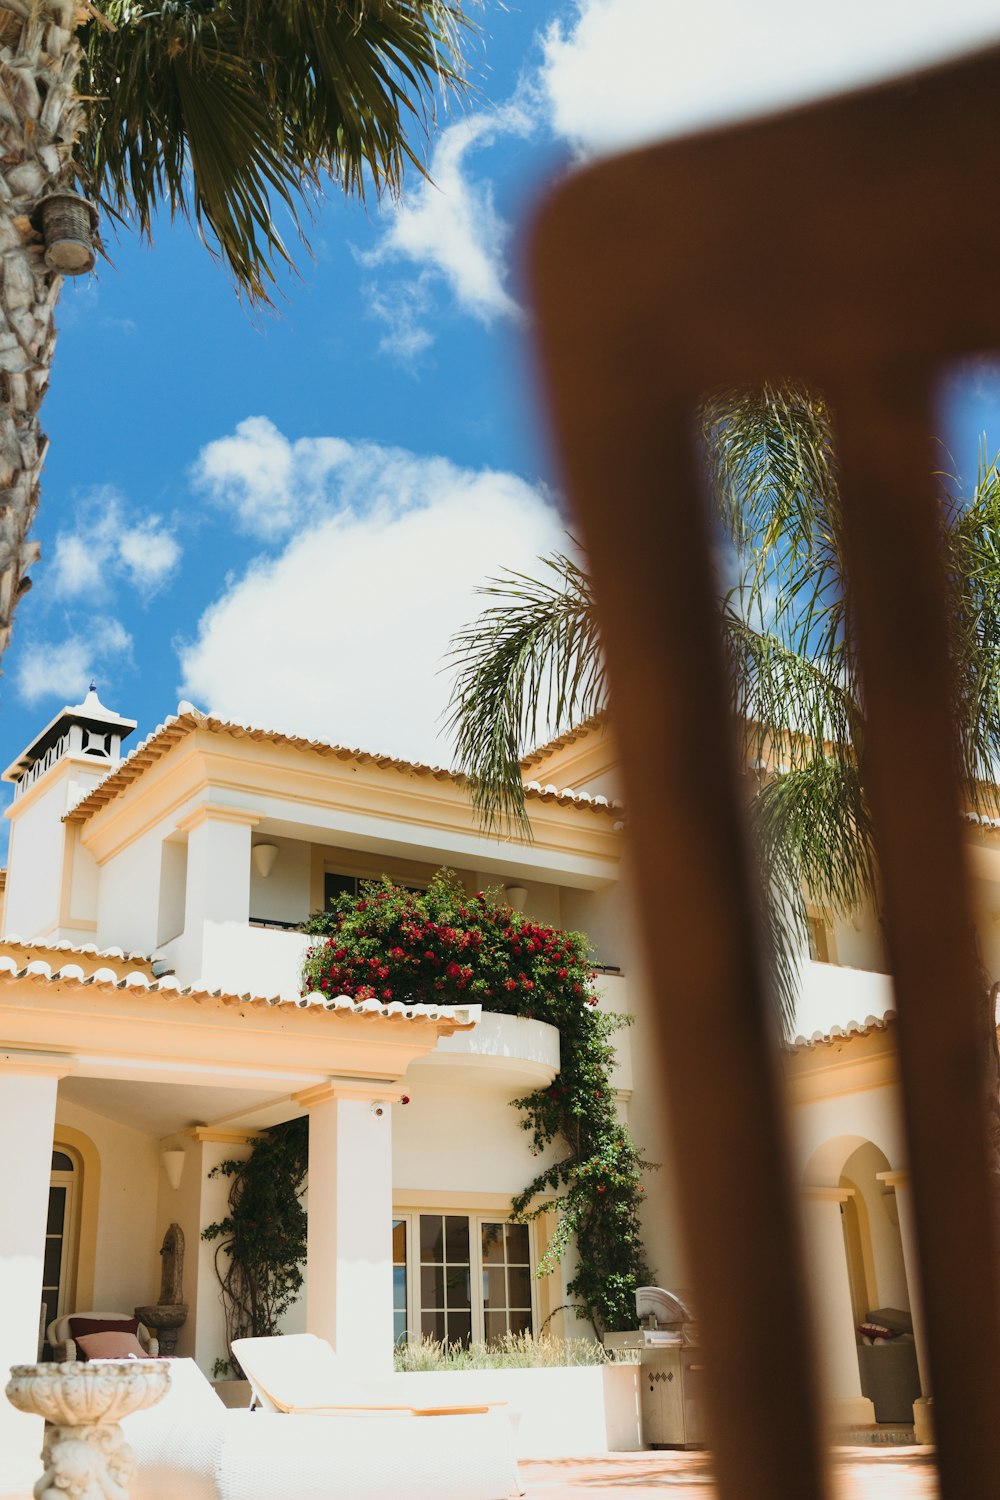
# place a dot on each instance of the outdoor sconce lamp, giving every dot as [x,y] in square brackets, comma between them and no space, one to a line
[173,1165]
[264,856]
[516,897]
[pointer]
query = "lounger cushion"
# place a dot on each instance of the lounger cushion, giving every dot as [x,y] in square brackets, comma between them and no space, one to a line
[178,1442]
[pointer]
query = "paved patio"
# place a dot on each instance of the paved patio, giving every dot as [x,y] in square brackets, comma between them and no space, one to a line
[860,1474]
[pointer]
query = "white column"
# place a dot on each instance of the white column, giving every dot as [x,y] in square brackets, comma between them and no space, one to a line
[899,1181]
[27,1123]
[217,893]
[826,1253]
[349,1261]
[205,1201]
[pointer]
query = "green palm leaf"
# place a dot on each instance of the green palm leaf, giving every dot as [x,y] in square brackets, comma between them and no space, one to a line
[236,113]
[528,668]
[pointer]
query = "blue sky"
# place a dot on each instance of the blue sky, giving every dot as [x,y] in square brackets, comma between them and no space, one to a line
[284,518]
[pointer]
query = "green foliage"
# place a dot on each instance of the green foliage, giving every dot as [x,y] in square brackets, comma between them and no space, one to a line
[529,666]
[790,645]
[515,1351]
[443,947]
[261,1243]
[225,111]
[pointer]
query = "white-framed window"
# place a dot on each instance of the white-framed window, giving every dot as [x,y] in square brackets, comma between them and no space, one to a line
[462,1277]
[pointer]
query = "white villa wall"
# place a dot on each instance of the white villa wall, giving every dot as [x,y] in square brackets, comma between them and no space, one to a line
[127,1267]
[35,862]
[542,903]
[462,1137]
[285,895]
[84,882]
[858,941]
[255,960]
[128,902]
[173,890]
[834,996]
[600,914]
[825,1132]
[38,844]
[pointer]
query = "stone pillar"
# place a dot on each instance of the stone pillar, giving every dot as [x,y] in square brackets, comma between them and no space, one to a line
[899,1181]
[349,1262]
[826,1253]
[27,1123]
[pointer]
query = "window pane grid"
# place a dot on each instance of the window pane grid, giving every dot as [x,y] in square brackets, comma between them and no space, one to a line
[459,1277]
[506,1279]
[400,1320]
[445,1278]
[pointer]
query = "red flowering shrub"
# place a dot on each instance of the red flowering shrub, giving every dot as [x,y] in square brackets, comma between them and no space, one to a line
[442,947]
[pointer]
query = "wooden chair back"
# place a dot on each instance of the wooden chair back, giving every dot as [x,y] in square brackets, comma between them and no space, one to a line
[855,245]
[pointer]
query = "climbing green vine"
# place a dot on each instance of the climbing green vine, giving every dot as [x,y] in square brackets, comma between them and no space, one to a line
[261,1243]
[441,946]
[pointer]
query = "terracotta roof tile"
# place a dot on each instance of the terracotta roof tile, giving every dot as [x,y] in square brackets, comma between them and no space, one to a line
[178,726]
[90,950]
[37,971]
[843,1033]
[568,737]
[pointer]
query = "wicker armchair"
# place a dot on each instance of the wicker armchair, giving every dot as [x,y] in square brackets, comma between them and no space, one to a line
[61,1341]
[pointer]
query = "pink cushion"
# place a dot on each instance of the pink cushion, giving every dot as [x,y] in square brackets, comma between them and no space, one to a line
[78,1326]
[110,1346]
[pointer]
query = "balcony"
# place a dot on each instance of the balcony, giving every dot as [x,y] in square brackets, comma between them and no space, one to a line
[503,1051]
[833,995]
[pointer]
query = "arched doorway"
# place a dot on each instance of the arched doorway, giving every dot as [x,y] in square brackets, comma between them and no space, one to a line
[861,1292]
[62,1234]
[872,1239]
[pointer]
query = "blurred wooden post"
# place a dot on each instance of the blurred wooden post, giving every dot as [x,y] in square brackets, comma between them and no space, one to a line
[848,245]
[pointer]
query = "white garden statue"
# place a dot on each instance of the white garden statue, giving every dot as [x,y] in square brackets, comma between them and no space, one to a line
[85,1455]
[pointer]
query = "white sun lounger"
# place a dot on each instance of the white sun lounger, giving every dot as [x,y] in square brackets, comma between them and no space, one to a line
[298,1373]
[190,1447]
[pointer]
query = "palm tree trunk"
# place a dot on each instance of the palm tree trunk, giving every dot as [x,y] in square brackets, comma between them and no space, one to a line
[40,116]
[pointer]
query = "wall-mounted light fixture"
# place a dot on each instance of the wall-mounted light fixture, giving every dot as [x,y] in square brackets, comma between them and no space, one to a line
[516,897]
[264,856]
[173,1165]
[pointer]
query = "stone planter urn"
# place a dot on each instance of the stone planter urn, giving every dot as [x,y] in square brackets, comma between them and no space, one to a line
[84,1454]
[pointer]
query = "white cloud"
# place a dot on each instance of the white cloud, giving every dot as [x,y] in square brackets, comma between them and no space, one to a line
[401,308]
[269,483]
[342,635]
[628,71]
[63,670]
[108,542]
[450,225]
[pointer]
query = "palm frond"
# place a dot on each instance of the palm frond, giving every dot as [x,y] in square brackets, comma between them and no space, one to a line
[972,544]
[230,112]
[788,706]
[773,483]
[814,828]
[530,667]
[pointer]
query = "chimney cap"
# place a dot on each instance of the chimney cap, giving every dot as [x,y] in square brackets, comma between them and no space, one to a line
[91,714]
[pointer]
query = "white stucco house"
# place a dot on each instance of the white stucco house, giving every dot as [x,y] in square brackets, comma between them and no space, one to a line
[151,1024]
